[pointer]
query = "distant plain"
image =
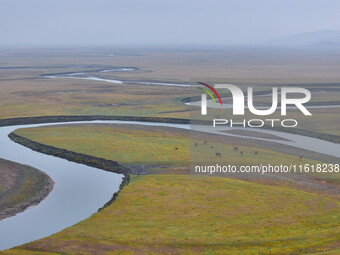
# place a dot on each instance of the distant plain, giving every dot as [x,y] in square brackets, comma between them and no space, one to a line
[160,211]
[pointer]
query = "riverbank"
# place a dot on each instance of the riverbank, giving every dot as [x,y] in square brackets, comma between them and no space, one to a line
[167,191]
[107,165]
[104,164]
[149,150]
[78,193]
[21,187]
[50,119]
[53,119]
[179,214]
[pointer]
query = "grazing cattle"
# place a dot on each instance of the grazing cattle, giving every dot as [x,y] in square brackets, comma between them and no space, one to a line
[241,152]
[255,152]
[300,157]
[235,149]
[211,147]
[176,148]
[218,155]
[205,142]
[196,144]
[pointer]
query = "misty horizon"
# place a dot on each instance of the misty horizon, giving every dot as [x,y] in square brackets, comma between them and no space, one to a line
[41,23]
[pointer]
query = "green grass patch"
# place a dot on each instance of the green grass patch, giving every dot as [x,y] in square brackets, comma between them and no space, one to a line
[178,214]
[155,147]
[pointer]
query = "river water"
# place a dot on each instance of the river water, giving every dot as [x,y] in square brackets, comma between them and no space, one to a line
[81,190]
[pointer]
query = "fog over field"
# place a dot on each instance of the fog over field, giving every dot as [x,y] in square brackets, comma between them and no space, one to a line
[115,102]
[153,22]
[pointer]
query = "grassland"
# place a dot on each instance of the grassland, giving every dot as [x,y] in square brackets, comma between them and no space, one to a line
[20,187]
[173,213]
[152,149]
[24,92]
[177,214]
[210,215]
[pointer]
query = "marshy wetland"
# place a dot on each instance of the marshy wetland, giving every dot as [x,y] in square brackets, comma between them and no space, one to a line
[164,210]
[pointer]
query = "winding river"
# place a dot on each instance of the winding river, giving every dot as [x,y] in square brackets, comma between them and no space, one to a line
[90,75]
[80,190]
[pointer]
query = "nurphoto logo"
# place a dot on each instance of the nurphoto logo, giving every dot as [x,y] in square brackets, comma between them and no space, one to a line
[291,98]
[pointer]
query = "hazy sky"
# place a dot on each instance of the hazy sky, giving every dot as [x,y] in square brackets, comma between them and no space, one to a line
[111,22]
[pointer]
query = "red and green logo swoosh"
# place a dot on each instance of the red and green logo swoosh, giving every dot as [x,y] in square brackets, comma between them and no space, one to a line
[209,93]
